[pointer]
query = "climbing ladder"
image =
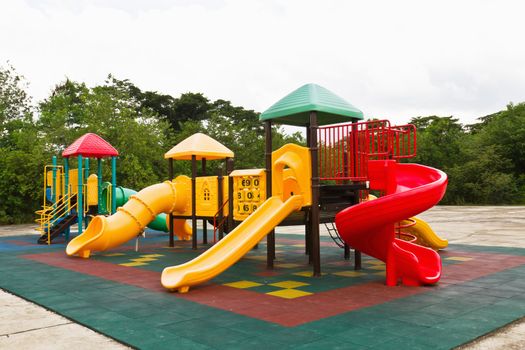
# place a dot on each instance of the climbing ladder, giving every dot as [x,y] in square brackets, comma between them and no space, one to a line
[334,234]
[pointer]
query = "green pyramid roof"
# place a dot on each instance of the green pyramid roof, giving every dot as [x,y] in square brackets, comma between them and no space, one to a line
[295,108]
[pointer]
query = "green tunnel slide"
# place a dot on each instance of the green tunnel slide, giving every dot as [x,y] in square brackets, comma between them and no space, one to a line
[123,194]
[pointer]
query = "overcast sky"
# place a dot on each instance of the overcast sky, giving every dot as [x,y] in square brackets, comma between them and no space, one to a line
[391,59]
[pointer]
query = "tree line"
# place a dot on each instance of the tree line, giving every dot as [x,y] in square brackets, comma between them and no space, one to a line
[484,161]
[141,125]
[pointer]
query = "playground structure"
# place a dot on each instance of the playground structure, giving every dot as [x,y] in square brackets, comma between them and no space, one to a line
[70,195]
[74,195]
[327,180]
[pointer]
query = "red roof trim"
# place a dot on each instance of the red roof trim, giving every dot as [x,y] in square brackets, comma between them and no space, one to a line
[90,145]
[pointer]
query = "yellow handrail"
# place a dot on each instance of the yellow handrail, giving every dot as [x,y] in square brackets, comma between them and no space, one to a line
[50,215]
[109,198]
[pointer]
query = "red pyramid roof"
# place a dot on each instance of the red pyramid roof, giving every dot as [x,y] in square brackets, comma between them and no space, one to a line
[90,145]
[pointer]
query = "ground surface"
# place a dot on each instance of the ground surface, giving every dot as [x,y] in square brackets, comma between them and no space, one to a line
[118,294]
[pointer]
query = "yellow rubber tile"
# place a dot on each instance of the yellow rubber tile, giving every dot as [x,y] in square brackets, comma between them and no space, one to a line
[136,263]
[459,258]
[151,256]
[114,254]
[376,267]
[287,265]
[256,257]
[243,284]
[374,262]
[144,259]
[307,273]
[381,273]
[289,284]
[349,273]
[289,293]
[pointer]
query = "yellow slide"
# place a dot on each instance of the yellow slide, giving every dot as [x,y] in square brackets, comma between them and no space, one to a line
[425,234]
[108,232]
[232,247]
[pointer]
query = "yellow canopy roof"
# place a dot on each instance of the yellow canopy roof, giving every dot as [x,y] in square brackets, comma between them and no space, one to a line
[201,146]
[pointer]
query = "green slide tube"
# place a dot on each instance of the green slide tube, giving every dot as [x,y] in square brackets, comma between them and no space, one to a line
[122,196]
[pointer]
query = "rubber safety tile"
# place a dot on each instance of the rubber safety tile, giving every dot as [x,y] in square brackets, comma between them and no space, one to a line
[289,293]
[289,284]
[243,284]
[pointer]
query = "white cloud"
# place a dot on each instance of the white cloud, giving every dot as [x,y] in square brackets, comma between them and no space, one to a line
[393,59]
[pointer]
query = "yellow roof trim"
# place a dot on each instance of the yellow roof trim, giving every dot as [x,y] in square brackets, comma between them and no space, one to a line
[201,146]
[248,172]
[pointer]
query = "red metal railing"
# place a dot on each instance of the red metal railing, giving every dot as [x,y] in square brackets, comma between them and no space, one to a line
[403,141]
[344,149]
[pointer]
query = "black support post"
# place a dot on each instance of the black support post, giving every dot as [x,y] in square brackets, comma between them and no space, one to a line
[229,169]
[307,233]
[220,202]
[357,253]
[170,215]
[194,202]
[270,238]
[204,221]
[314,219]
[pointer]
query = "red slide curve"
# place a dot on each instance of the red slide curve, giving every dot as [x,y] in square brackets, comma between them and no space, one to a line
[369,226]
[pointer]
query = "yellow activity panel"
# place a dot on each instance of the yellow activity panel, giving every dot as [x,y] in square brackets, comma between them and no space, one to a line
[249,192]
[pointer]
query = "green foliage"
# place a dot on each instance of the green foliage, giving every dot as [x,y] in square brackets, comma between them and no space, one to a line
[484,161]
[189,106]
[438,140]
[241,131]
[21,155]
[113,113]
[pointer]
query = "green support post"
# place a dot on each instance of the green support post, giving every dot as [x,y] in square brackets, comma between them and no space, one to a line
[113,185]
[66,191]
[99,175]
[80,207]
[86,175]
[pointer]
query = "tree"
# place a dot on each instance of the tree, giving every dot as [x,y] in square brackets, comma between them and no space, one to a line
[439,141]
[112,112]
[15,105]
[20,150]
[240,130]
[189,106]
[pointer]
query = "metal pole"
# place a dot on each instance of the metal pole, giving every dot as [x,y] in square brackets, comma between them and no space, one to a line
[99,175]
[314,231]
[113,185]
[270,238]
[86,175]
[54,188]
[66,192]
[307,233]
[80,207]
[86,168]
[204,221]
[170,215]
[220,200]
[229,169]
[194,201]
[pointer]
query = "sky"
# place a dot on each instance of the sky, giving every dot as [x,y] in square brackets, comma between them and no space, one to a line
[391,59]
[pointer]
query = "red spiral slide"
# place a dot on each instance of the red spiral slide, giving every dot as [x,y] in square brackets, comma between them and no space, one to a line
[369,226]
